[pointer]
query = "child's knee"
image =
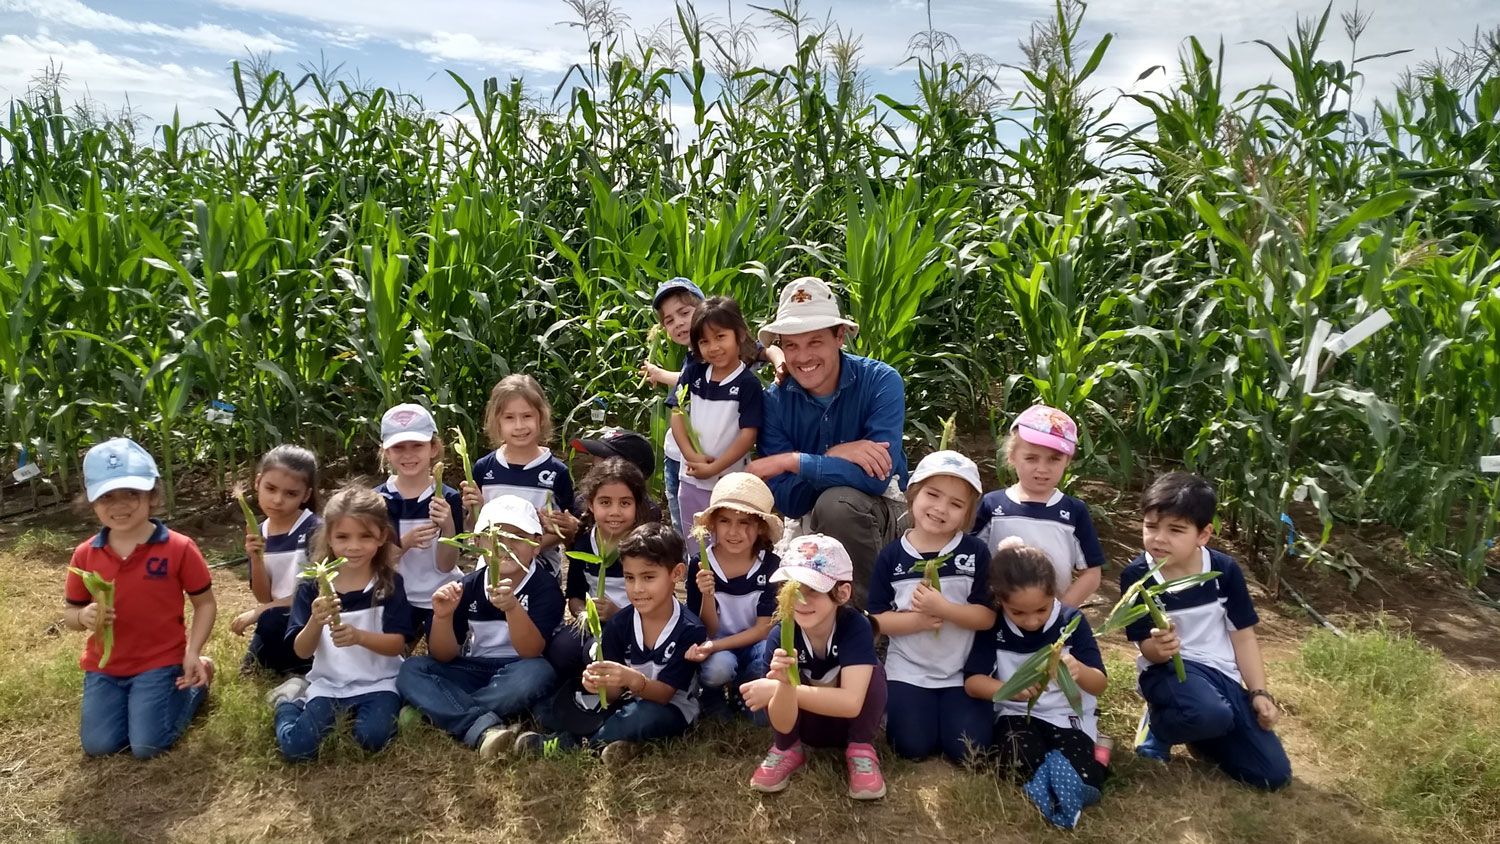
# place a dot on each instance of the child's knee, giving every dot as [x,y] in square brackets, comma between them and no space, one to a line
[719,669]
[102,744]
[374,735]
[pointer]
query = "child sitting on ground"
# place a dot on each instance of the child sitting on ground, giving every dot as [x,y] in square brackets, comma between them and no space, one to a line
[1038,739]
[286,488]
[1222,710]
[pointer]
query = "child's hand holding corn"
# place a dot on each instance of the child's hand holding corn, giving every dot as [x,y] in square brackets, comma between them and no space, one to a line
[441,514]
[345,636]
[473,499]
[323,610]
[503,596]
[705,578]
[780,662]
[420,536]
[1167,643]
[255,545]
[927,600]
[95,618]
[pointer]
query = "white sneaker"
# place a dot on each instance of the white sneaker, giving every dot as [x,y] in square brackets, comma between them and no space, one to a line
[290,689]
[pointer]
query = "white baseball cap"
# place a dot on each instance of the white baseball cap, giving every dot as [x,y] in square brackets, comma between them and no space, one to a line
[948,463]
[118,464]
[816,561]
[807,304]
[406,423]
[510,511]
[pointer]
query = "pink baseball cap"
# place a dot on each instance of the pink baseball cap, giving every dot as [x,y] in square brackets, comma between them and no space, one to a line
[1047,427]
[815,561]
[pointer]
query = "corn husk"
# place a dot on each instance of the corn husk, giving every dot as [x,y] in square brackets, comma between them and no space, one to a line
[461,448]
[437,479]
[683,409]
[103,593]
[786,609]
[323,573]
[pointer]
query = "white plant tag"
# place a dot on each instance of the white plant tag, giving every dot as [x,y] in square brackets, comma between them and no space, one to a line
[26,473]
[1490,464]
[1360,332]
[220,413]
[1314,354]
[1495,425]
[1300,493]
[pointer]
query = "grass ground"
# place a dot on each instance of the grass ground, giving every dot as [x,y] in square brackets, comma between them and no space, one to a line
[1390,741]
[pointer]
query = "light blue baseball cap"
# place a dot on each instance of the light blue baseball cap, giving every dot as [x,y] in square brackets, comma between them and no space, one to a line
[673,284]
[118,464]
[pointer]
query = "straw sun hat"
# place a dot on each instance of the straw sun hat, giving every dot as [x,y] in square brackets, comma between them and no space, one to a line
[745,493]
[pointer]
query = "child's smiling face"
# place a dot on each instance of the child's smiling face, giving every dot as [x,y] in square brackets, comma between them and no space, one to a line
[734,532]
[411,459]
[123,510]
[942,505]
[519,423]
[676,315]
[719,346]
[356,540]
[650,586]
[613,506]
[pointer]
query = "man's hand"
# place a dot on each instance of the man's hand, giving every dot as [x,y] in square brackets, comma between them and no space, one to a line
[873,457]
[769,467]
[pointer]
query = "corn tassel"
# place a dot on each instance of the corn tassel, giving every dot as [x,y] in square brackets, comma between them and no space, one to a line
[324,573]
[786,612]
[103,593]
[949,433]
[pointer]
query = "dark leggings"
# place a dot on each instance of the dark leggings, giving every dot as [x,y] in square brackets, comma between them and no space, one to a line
[827,731]
[1022,743]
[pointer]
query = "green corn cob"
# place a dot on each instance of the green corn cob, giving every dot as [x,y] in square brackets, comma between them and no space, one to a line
[103,593]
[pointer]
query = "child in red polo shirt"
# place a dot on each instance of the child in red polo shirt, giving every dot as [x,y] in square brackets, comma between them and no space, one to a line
[141,690]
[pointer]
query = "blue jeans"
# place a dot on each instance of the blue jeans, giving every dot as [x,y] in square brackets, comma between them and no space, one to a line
[671,478]
[736,666]
[639,720]
[469,695]
[271,647]
[1211,713]
[300,728]
[919,722]
[145,712]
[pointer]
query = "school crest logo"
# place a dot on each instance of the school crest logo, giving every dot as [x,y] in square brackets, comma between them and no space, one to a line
[473,606]
[760,581]
[114,462]
[156,567]
[1066,516]
[671,649]
[546,477]
[964,563]
[525,602]
[490,475]
[734,391]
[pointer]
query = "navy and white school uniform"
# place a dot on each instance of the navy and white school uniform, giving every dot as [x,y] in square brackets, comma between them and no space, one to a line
[352,678]
[928,710]
[1211,710]
[569,649]
[490,682]
[740,602]
[664,660]
[285,557]
[718,410]
[1052,751]
[419,569]
[543,482]
[1060,526]
[850,643]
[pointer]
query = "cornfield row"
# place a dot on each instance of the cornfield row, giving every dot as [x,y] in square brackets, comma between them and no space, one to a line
[324,251]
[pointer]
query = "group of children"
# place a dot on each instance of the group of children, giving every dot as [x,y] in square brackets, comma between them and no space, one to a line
[977,584]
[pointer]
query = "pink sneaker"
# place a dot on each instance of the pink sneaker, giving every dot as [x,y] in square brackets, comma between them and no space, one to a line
[865,781]
[777,768]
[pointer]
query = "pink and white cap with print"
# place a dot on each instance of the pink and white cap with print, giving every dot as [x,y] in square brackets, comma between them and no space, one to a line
[1047,427]
[816,561]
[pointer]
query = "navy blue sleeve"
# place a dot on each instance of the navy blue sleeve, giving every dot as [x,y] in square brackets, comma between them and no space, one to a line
[855,639]
[562,491]
[678,672]
[455,501]
[882,595]
[765,607]
[577,585]
[981,661]
[773,640]
[752,401]
[1087,537]
[1139,630]
[979,593]
[983,514]
[1237,604]
[616,635]
[301,611]
[544,603]
[392,508]
[684,378]
[694,600]
[395,613]
[1083,647]
[473,592]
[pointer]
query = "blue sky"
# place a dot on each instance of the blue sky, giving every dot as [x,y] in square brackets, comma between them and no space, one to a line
[160,55]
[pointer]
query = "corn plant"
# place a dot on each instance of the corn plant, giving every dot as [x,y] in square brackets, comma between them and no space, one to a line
[323,573]
[103,593]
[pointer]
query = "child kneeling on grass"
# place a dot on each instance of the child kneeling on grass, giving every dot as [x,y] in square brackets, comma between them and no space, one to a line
[355,637]
[841,691]
[484,665]
[643,673]
[1222,710]
[144,677]
[1038,738]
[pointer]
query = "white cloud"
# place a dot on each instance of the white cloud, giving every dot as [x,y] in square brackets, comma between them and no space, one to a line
[467,48]
[153,89]
[205,36]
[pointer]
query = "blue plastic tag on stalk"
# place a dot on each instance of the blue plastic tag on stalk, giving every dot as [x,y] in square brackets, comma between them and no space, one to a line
[25,470]
[1291,535]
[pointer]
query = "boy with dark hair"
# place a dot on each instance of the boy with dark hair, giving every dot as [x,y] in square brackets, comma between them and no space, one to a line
[644,675]
[1222,710]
